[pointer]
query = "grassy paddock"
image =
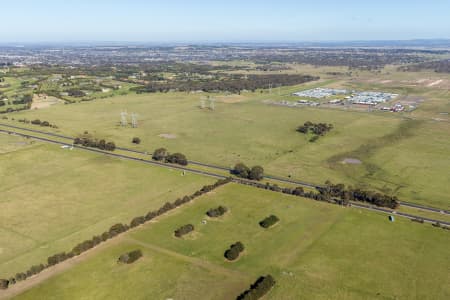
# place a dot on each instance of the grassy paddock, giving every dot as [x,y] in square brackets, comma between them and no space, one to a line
[399,155]
[316,251]
[53,199]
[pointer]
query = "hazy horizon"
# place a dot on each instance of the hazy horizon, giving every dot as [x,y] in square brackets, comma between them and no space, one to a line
[200,21]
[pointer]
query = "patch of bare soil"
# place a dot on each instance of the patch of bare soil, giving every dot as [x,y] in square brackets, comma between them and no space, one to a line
[352,161]
[167,135]
[231,99]
[44,101]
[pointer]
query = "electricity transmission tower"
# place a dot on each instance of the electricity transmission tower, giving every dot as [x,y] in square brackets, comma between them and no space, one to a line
[134,120]
[211,103]
[202,103]
[123,119]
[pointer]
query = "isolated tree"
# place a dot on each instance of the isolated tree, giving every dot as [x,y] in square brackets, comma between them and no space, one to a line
[102,144]
[241,170]
[256,173]
[177,158]
[160,154]
[136,140]
[110,146]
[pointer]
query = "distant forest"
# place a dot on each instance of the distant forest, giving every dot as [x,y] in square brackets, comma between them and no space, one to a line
[439,66]
[233,84]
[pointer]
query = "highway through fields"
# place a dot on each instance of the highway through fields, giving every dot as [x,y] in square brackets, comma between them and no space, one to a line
[202,172]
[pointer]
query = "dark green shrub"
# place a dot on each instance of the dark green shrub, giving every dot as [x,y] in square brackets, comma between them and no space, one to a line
[130,257]
[257,290]
[216,212]
[185,229]
[269,221]
[233,252]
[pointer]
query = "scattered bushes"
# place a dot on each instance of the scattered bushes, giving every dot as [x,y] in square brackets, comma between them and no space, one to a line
[255,173]
[112,232]
[130,257]
[94,143]
[233,252]
[136,140]
[269,221]
[257,290]
[185,229]
[217,212]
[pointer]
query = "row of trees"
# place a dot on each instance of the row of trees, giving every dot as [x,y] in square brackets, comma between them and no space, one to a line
[329,193]
[216,212]
[38,122]
[185,229]
[258,289]
[269,221]
[94,143]
[233,252]
[113,231]
[255,173]
[161,154]
[347,194]
[130,257]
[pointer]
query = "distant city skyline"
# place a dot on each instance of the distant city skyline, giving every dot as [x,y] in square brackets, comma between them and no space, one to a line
[227,21]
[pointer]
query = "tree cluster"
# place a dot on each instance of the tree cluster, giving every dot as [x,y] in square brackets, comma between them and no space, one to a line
[269,221]
[185,229]
[255,173]
[161,154]
[130,257]
[25,99]
[233,252]
[113,231]
[318,129]
[216,212]
[94,143]
[258,289]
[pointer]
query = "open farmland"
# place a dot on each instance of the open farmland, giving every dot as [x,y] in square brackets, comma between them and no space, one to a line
[316,251]
[54,198]
[320,183]
[255,133]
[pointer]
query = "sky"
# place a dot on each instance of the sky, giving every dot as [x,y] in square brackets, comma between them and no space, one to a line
[222,21]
